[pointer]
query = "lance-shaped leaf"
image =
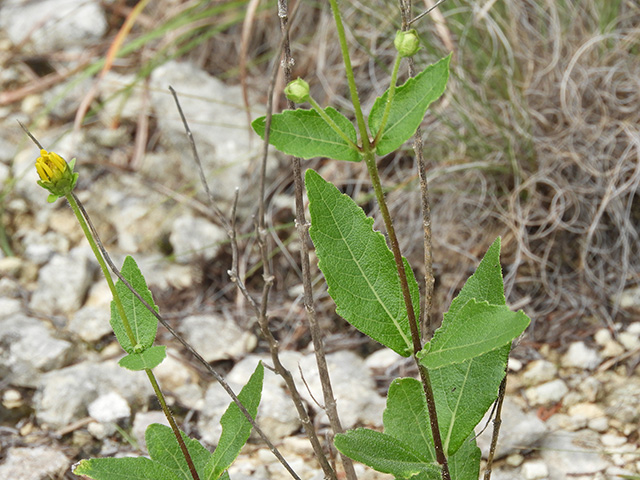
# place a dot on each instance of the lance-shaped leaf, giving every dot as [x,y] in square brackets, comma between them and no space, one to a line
[465,464]
[304,133]
[143,323]
[163,448]
[475,329]
[147,359]
[386,454]
[408,107]
[359,267]
[126,468]
[235,427]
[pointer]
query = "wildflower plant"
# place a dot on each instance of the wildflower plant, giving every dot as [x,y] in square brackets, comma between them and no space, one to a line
[428,422]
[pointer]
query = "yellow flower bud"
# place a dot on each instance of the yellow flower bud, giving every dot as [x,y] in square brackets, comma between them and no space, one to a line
[55,174]
[407,43]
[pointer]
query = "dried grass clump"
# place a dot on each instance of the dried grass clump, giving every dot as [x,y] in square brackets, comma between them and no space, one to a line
[540,143]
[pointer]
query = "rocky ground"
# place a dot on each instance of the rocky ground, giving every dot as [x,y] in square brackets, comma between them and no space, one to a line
[571,411]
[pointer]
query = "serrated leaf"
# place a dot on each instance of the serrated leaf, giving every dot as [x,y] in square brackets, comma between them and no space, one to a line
[359,267]
[408,107]
[147,359]
[406,406]
[143,323]
[475,329]
[163,448]
[304,133]
[485,284]
[126,468]
[235,427]
[464,392]
[386,454]
[465,464]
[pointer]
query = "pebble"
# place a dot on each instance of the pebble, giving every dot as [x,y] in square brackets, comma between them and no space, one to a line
[547,393]
[539,371]
[108,408]
[629,341]
[34,463]
[195,239]
[580,356]
[217,338]
[534,470]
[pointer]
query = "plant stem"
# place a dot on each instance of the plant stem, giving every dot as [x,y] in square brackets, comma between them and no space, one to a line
[71,198]
[331,123]
[497,422]
[369,158]
[362,126]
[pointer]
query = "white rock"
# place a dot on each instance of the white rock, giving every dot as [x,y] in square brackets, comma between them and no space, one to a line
[142,420]
[612,440]
[612,349]
[174,372]
[40,248]
[629,341]
[600,424]
[382,359]
[53,24]
[534,470]
[581,356]
[587,410]
[539,371]
[110,407]
[547,393]
[514,460]
[514,365]
[91,323]
[568,423]
[35,463]
[603,336]
[218,122]
[565,452]
[520,430]
[217,338]
[634,328]
[62,283]
[9,307]
[194,238]
[29,350]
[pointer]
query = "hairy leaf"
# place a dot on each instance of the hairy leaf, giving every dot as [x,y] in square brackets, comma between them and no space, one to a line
[475,329]
[147,359]
[235,427]
[163,448]
[143,323]
[304,133]
[359,267]
[408,107]
[125,468]
[385,453]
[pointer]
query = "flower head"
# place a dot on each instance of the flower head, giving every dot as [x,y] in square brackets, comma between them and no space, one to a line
[297,91]
[56,175]
[407,43]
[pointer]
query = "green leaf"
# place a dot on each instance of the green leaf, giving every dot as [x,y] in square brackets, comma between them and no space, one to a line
[143,323]
[148,359]
[304,133]
[359,267]
[475,329]
[408,107]
[235,427]
[406,406]
[385,453]
[163,448]
[126,468]
[485,284]
[465,463]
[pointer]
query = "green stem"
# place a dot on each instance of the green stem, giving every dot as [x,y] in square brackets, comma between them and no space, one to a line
[320,111]
[362,126]
[71,198]
[390,95]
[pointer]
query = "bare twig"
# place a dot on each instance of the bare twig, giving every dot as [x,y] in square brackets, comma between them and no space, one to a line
[178,337]
[260,310]
[497,422]
[303,233]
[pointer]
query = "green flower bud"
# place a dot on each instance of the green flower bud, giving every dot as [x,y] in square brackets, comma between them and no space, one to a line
[55,174]
[407,43]
[297,91]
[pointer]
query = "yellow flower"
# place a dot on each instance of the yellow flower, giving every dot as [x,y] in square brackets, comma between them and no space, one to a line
[55,174]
